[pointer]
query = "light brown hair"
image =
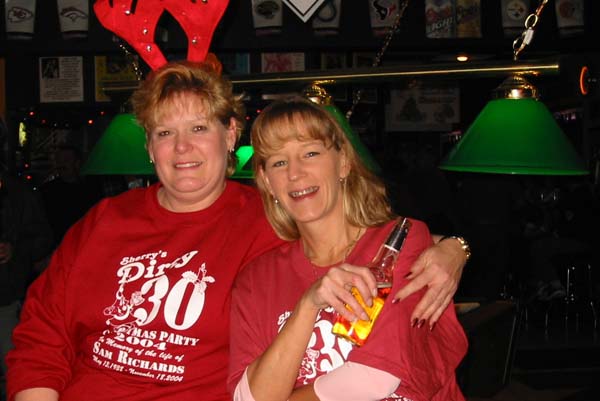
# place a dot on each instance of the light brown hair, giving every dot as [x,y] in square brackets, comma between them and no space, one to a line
[163,89]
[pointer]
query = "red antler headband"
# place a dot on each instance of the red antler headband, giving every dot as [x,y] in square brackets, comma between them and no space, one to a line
[136,24]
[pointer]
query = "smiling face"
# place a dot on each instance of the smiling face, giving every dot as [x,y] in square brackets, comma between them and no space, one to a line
[304,176]
[189,149]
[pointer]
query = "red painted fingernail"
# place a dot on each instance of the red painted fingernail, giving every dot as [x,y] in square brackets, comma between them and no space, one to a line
[432,326]
[421,323]
[407,275]
[414,322]
[395,300]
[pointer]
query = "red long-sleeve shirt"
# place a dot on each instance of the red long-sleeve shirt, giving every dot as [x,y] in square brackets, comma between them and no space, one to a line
[135,303]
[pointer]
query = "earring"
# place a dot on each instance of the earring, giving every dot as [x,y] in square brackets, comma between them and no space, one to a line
[342,179]
[276,200]
[230,150]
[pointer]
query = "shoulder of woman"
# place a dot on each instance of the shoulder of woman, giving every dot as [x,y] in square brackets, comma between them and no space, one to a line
[247,196]
[418,227]
[245,190]
[278,257]
[126,203]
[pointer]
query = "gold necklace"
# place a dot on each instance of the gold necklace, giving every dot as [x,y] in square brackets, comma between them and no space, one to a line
[347,250]
[351,245]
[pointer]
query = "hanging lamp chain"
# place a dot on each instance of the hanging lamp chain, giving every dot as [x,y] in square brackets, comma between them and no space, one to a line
[379,56]
[530,22]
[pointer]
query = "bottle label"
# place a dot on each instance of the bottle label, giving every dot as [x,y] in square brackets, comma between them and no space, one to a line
[358,331]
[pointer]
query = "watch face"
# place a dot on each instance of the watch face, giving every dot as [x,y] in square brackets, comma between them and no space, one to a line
[516,10]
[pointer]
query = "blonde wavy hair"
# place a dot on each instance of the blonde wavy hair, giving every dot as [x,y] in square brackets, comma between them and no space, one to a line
[364,195]
[166,88]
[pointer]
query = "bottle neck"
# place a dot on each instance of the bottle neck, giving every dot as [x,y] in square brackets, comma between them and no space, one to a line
[384,261]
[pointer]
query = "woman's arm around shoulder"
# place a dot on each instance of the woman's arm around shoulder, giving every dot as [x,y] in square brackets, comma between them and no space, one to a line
[439,268]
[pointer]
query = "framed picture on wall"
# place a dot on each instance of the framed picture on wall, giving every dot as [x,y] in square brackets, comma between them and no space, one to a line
[113,70]
[423,108]
[363,59]
[333,60]
[61,79]
[282,62]
[235,63]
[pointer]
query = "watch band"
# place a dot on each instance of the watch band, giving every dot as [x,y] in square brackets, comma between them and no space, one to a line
[463,244]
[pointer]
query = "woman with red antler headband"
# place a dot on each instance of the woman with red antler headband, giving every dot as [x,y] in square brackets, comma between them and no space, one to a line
[135,302]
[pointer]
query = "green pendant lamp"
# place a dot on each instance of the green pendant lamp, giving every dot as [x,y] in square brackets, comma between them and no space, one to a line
[515,134]
[243,168]
[121,150]
[319,95]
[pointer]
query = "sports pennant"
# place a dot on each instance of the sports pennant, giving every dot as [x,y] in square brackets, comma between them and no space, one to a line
[569,17]
[73,16]
[20,18]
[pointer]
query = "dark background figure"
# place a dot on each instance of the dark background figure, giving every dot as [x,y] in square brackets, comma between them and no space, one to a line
[67,196]
[418,188]
[25,239]
[431,191]
[564,232]
[486,206]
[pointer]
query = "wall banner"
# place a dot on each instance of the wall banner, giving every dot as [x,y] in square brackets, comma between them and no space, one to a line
[383,14]
[569,17]
[514,13]
[267,16]
[19,17]
[468,18]
[304,9]
[73,16]
[327,20]
[439,19]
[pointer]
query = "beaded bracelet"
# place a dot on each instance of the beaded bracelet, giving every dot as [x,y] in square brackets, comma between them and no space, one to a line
[463,244]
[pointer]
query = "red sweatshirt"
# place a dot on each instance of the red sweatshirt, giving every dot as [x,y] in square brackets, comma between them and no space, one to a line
[135,303]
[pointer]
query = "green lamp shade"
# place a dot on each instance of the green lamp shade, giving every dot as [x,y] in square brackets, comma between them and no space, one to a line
[354,139]
[121,150]
[515,136]
[243,169]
